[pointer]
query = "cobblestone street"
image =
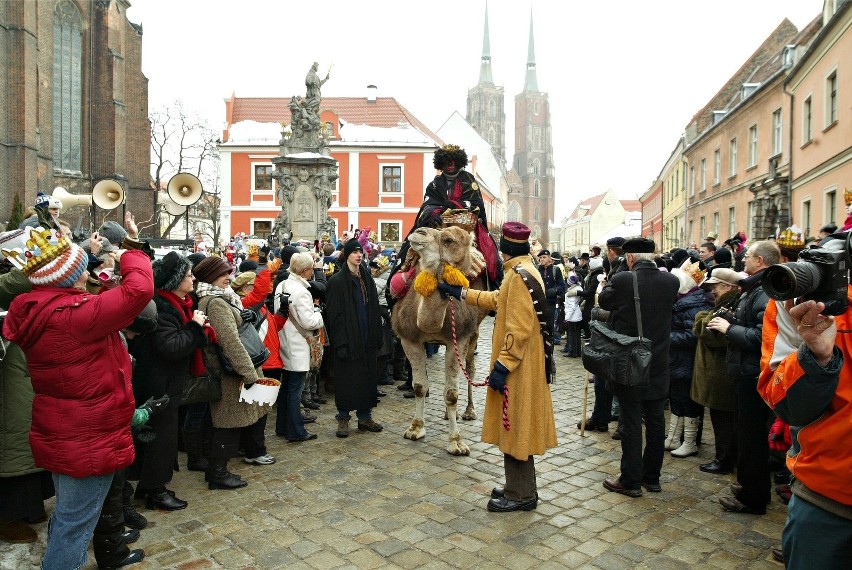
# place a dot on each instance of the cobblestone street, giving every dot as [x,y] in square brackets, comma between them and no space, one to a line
[380,501]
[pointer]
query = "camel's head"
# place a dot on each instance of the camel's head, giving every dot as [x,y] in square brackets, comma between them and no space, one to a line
[422,238]
[425,242]
[455,246]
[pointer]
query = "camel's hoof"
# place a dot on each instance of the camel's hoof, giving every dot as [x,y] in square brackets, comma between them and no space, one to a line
[414,433]
[469,414]
[458,448]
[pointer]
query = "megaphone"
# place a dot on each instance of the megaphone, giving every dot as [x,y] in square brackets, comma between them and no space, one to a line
[171,206]
[107,194]
[70,200]
[184,189]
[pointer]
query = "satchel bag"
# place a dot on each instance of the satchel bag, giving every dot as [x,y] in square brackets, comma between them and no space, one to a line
[257,351]
[618,358]
[201,389]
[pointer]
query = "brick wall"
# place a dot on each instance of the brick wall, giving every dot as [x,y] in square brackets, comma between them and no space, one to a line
[115,130]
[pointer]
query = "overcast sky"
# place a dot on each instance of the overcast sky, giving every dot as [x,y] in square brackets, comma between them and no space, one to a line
[623,77]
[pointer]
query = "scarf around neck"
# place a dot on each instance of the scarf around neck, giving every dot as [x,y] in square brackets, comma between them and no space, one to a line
[184,308]
[206,289]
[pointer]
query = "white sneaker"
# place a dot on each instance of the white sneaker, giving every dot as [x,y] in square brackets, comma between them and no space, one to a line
[262,460]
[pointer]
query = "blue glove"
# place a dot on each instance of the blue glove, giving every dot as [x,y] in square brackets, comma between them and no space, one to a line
[497,378]
[448,290]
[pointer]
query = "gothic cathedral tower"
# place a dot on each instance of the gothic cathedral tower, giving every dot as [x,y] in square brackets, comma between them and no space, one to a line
[533,157]
[485,108]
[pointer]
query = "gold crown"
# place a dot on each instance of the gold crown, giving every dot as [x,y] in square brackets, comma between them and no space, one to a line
[451,147]
[694,271]
[847,194]
[373,237]
[39,248]
[325,237]
[790,238]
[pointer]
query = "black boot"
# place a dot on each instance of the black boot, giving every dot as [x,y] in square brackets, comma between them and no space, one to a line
[218,476]
[193,441]
[132,519]
[132,557]
[164,500]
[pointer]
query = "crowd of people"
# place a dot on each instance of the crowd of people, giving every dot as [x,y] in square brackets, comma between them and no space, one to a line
[768,370]
[102,435]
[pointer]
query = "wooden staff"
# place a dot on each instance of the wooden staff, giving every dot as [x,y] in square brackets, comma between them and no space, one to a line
[585,404]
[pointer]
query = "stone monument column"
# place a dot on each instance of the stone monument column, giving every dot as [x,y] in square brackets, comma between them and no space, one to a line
[305,171]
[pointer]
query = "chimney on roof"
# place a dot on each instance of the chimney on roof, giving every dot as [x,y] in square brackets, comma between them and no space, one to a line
[473,164]
[371,93]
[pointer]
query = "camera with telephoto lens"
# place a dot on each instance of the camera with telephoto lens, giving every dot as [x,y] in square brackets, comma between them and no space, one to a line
[820,274]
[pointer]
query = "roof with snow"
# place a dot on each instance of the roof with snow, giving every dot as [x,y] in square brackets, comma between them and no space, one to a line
[383,120]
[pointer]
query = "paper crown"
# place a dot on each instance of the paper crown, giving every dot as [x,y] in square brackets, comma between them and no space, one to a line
[373,237]
[847,195]
[32,248]
[790,238]
[693,270]
[325,237]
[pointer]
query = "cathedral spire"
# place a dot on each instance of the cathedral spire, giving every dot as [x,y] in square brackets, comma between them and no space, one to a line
[485,64]
[531,82]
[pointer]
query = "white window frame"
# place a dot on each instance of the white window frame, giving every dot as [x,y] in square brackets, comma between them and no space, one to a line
[732,168]
[397,223]
[717,166]
[335,193]
[830,202]
[691,181]
[382,166]
[752,146]
[717,219]
[808,119]
[732,220]
[254,193]
[252,221]
[777,132]
[806,215]
[703,174]
[831,100]
[254,189]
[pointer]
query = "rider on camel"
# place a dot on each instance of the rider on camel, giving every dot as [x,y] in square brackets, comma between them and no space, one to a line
[456,188]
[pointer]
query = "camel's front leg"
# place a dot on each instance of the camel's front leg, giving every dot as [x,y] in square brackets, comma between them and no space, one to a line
[470,366]
[420,382]
[451,395]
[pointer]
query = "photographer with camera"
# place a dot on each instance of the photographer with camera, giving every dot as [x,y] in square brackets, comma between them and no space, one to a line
[812,391]
[752,491]
[711,385]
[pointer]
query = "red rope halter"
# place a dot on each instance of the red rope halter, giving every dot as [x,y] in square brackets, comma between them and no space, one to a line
[506,424]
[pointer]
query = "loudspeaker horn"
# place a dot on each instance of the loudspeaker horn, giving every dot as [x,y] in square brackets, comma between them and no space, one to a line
[171,206]
[70,200]
[184,189]
[108,194]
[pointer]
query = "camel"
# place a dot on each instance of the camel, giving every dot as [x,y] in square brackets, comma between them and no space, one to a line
[422,315]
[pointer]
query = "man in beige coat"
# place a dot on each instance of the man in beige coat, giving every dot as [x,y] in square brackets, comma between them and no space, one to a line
[518,366]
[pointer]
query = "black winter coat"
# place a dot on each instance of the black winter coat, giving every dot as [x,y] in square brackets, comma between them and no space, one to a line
[437,199]
[163,356]
[745,337]
[657,294]
[356,371]
[684,341]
